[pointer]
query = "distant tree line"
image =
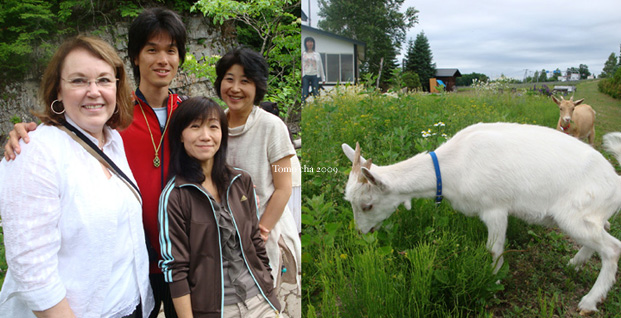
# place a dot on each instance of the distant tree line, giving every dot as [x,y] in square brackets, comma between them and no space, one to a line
[611,84]
[29,29]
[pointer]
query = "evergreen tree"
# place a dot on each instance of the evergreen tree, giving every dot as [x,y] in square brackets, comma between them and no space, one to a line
[378,23]
[419,60]
[610,66]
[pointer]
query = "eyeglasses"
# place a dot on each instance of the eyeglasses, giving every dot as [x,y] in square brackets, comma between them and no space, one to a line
[81,82]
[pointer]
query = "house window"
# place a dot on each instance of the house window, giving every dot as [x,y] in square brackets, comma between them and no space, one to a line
[332,68]
[339,67]
[347,67]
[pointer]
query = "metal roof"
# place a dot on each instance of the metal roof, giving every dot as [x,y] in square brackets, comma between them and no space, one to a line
[447,72]
[336,36]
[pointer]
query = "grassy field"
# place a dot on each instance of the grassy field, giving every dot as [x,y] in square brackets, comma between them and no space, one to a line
[430,261]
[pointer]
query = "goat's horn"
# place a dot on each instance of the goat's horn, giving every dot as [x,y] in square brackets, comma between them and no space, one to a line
[356,163]
[356,167]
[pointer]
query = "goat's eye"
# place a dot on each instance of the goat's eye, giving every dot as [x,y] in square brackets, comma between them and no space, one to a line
[367,207]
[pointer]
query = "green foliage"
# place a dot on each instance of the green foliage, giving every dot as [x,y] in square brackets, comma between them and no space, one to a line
[611,66]
[15,119]
[412,81]
[466,79]
[383,37]
[547,305]
[130,10]
[31,29]
[611,86]
[425,262]
[397,79]
[584,71]
[272,28]
[555,74]
[542,76]
[24,24]
[205,67]
[419,60]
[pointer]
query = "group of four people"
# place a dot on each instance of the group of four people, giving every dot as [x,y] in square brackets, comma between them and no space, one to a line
[210,207]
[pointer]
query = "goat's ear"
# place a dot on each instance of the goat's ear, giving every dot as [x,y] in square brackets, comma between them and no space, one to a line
[368,163]
[556,100]
[373,178]
[349,152]
[578,102]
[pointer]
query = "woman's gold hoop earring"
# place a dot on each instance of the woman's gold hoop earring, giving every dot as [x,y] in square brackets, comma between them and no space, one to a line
[54,111]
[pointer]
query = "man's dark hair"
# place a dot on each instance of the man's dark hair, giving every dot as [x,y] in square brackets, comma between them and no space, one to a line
[254,65]
[149,23]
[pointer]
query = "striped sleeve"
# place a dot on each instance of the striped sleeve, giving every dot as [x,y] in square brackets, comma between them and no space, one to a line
[174,241]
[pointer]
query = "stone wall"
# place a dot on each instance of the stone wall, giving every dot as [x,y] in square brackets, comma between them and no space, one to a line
[204,39]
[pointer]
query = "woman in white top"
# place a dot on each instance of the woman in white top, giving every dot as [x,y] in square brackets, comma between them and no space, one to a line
[312,68]
[259,144]
[72,229]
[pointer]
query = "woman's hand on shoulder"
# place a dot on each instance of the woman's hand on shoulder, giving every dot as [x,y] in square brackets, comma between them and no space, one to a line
[20,131]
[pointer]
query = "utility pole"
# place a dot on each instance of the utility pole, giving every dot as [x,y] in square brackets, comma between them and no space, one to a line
[525,73]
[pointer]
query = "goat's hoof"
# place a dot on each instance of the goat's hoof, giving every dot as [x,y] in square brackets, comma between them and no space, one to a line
[587,308]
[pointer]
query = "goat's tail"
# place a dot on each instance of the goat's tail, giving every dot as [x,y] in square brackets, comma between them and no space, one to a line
[612,144]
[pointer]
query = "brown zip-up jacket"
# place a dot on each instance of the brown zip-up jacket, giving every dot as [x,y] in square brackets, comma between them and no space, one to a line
[191,248]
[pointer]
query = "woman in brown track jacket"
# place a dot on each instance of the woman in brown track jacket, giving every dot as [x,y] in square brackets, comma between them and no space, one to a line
[213,256]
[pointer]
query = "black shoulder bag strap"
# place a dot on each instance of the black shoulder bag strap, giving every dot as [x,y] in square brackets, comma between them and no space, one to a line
[91,148]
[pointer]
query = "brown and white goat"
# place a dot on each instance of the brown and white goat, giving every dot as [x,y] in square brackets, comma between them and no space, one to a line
[576,119]
[496,170]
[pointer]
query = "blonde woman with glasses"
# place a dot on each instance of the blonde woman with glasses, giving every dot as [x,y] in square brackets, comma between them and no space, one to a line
[72,222]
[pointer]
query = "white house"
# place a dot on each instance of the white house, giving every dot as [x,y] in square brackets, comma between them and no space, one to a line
[341,56]
[569,77]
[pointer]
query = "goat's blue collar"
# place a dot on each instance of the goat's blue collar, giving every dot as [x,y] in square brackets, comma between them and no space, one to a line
[436,166]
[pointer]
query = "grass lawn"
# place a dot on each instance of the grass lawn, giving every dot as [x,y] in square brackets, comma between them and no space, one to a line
[428,261]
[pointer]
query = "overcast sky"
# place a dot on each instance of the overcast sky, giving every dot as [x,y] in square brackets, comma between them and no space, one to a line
[512,37]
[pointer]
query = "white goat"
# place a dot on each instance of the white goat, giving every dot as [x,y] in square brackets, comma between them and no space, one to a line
[576,119]
[495,170]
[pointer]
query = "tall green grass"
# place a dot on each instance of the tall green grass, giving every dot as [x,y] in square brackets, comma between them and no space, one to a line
[426,262]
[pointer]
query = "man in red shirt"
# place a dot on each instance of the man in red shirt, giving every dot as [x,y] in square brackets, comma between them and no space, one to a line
[156,48]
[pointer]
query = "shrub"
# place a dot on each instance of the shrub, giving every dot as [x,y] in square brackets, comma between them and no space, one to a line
[611,86]
[412,81]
